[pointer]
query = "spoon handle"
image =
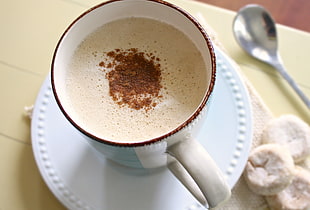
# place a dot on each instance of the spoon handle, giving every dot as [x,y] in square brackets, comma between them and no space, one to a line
[281,69]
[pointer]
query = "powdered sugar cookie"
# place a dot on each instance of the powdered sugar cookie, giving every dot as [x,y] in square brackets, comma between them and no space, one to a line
[296,196]
[269,169]
[291,131]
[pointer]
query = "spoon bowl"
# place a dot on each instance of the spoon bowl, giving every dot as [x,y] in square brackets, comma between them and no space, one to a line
[255,31]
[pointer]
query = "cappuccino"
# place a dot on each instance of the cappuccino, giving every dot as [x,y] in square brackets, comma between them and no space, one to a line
[135,79]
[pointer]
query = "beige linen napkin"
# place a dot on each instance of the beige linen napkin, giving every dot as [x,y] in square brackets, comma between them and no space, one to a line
[242,197]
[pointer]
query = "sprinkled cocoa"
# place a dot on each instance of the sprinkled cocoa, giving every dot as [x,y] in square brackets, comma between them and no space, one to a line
[134,78]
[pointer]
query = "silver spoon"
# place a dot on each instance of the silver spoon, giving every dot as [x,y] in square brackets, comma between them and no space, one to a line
[255,31]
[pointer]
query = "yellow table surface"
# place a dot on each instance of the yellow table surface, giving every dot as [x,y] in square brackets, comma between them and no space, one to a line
[29,32]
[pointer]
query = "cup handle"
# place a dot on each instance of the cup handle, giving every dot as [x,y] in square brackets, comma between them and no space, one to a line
[198,172]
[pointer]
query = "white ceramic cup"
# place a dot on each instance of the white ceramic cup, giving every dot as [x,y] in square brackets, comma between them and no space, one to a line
[184,156]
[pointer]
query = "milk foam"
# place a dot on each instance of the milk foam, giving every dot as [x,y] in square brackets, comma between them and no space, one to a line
[183,80]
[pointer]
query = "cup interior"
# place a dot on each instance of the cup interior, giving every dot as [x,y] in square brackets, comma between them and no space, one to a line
[118,9]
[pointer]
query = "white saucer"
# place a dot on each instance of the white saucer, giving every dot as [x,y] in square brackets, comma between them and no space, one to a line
[82,180]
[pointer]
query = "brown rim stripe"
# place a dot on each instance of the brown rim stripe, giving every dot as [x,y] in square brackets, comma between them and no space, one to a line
[147,142]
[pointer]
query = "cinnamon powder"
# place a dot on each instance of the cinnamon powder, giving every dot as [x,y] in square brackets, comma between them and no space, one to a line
[134,78]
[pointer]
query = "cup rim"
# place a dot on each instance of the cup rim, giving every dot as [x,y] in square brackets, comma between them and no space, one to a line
[191,118]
